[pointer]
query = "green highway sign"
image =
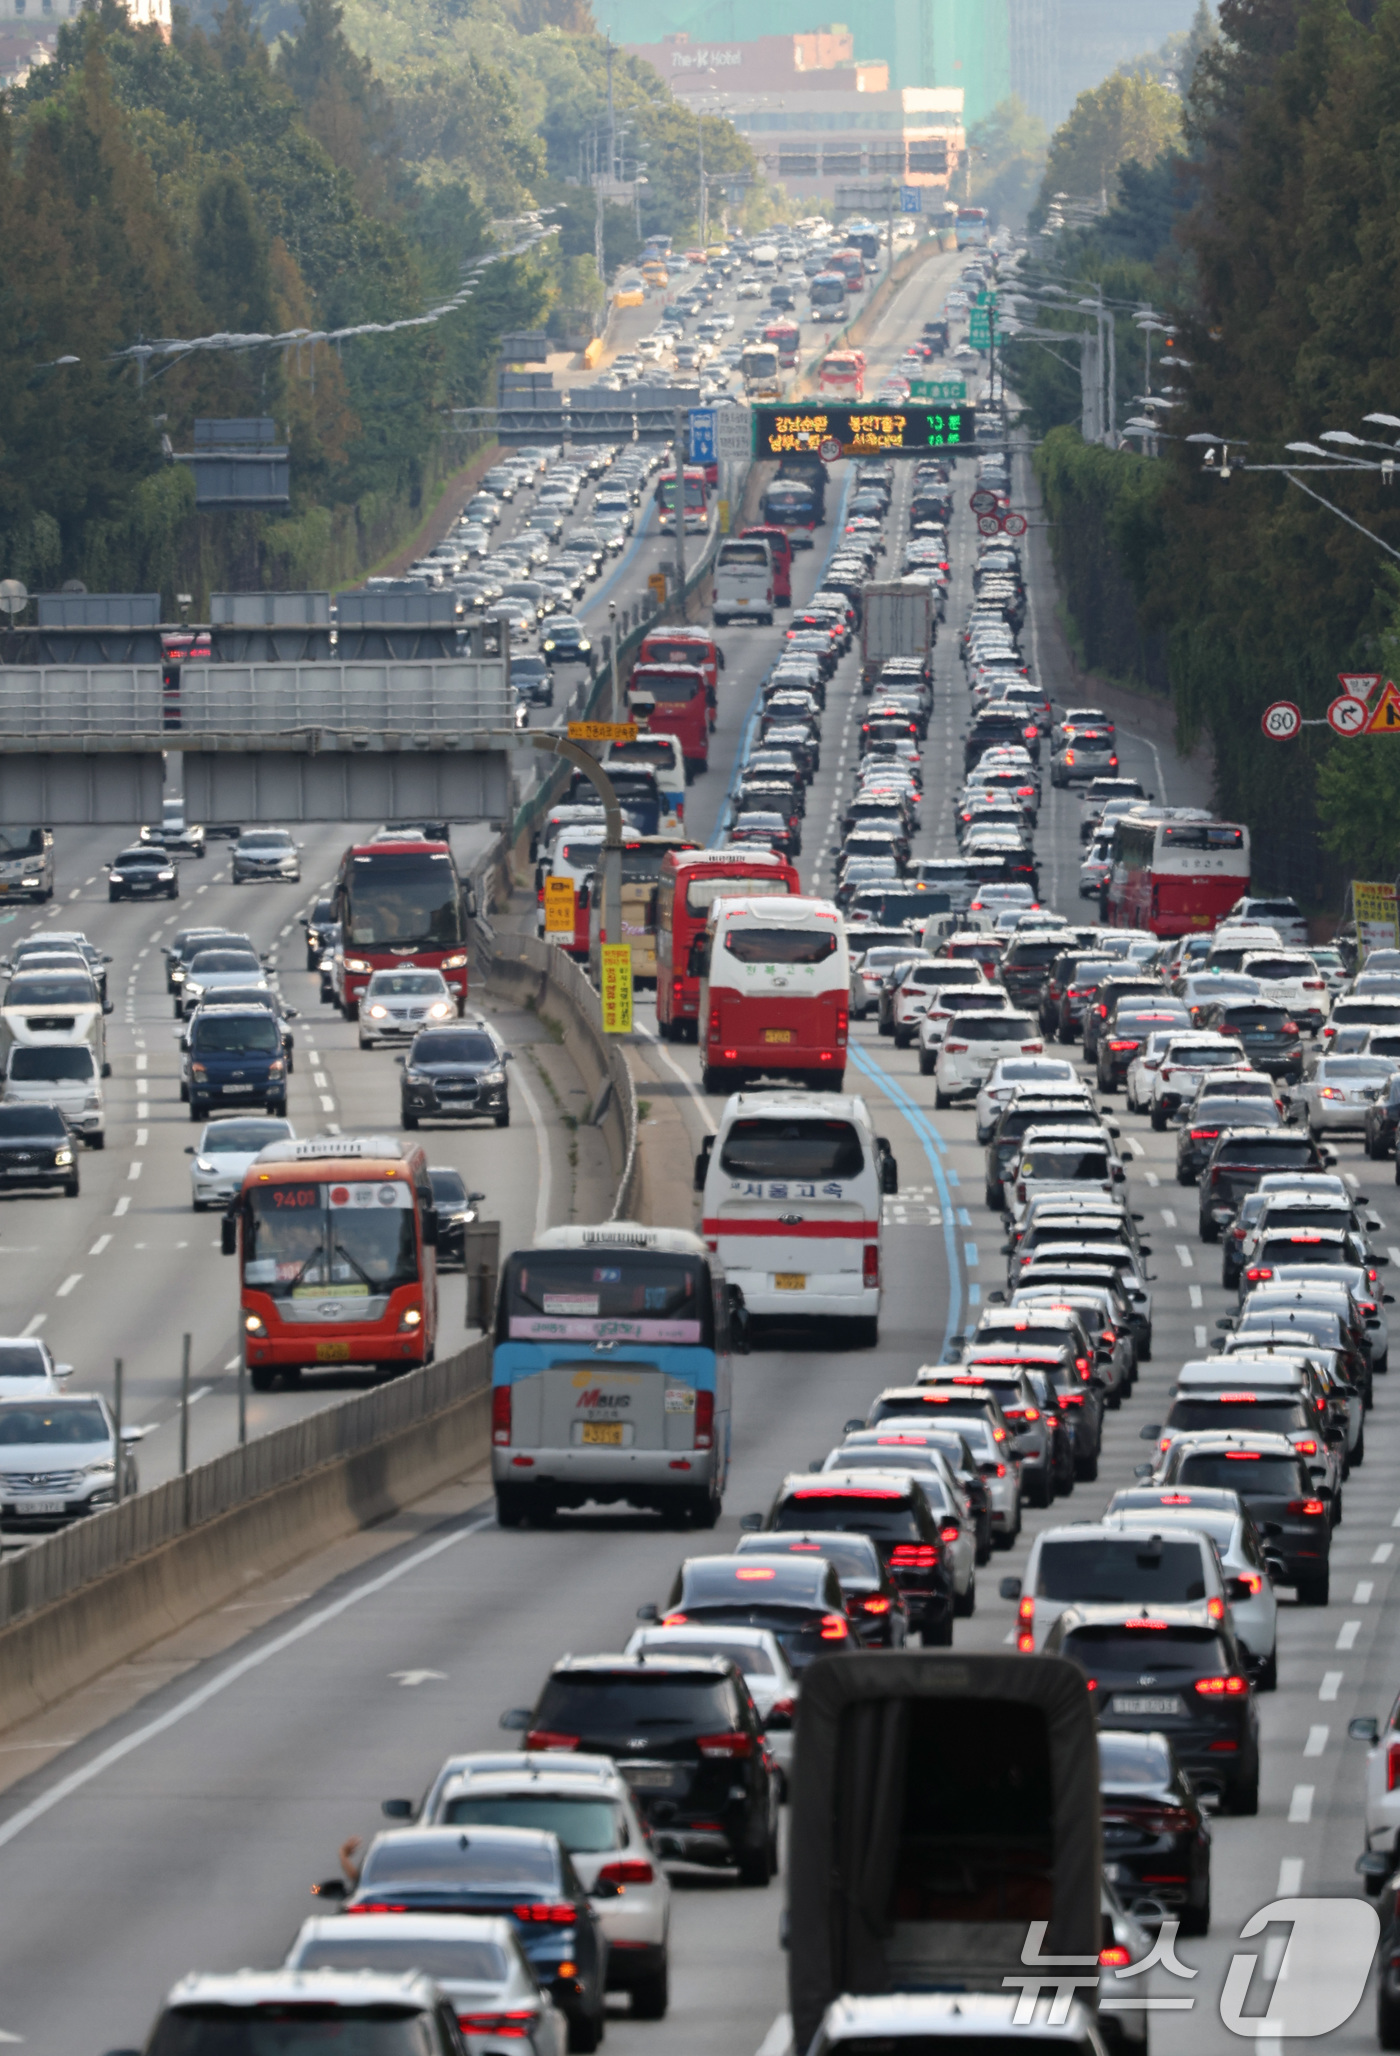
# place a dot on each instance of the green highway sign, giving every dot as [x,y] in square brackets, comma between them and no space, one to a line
[938,388]
[979,328]
[829,431]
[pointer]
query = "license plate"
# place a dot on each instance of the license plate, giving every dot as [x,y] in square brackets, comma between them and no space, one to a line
[239,1088]
[602,1431]
[40,1506]
[649,1780]
[790,1281]
[778,1035]
[1146,1703]
[332,1352]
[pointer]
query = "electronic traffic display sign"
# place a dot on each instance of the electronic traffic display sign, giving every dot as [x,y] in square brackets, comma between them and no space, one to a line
[911,430]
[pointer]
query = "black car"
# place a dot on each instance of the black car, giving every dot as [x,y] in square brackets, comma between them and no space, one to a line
[453,1208]
[1239,1158]
[893,1512]
[1383,1121]
[1272,1039]
[37,1150]
[800,1599]
[252,996]
[566,641]
[1156,1838]
[533,680]
[686,1736]
[143,873]
[1130,1026]
[875,1607]
[1275,1483]
[1201,1128]
[454,1074]
[519,1874]
[1173,1672]
[1070,986]
[774,831]
[187,943]
[317,924]
[785,796]
[1115,986]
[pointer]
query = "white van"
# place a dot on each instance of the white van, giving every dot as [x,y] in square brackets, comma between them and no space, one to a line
[48,1074]
[744,582]
[793,1185]
[663,755]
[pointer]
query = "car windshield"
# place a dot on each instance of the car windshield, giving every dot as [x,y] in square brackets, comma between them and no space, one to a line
[300,2028]
[1130,1646]
[449,1188]
[404,984]
[1129,1761]
[469,1048]
[463,1962]
[1070,1164]
[996,1028]
[584,1825]
[22,1360]
[311,1241]
[1278,1413]
[35,989]
[408,898]
[142,860]
[752,1659]
[244,961]
[47,1065]
[242,1138]
[235,1035]
[267,839]
[599,1702]
[1353,1067]
[886,1516]
[1245,1471]
[27,1124]
[1111,1572]
[24,1424]
[794,1148]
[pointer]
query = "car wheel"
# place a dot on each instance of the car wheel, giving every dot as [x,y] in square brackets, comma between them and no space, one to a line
[1086,1469]
[940,1099]
[1387,2013]
[1243,1798]
[1315,1590]
[1159,1119]
[940,1635]
[408,1120]
[512,1505]
[70,1189]
[902,1038]
[1267,1681]
[926,1067]
[198,1111]
[651,1996]
[585,2032]
[965,1603]
[1195,1920]
[1210,1231]
[1037,1487]
[503,1118]
[756,1866]
[261,1377]
[98,1141]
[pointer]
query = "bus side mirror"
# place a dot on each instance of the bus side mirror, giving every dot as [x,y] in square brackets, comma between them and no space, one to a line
[702,1163]
[430,1227]
[228,1237]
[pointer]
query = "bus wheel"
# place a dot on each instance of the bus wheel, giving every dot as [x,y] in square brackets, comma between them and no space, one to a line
[714,1079]
[512,1506]
[261,1377]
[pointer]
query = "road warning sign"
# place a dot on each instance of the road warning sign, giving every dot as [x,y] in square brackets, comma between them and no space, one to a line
[560,915]
[1385,716]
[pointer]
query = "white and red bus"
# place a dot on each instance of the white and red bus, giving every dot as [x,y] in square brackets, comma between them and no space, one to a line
[972,226]
[400,906]
[1175,877]
[786,339]
[843,375]
[691,882]
[775,992]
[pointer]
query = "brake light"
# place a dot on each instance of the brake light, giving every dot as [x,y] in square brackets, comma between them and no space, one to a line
[508,2026]
[842,1024]
[1120,1046]
[737,1744]
[1216,1609]
[547,1913]
[870,1266]
[631,1870]
[1242,1456]
[1310,1508]
[500,1415]
[1102,1012]
[1307,1448]
[1252,1581]
[955,1049]
[1392,1766]
[1257,1271]
[674,1620]
[714,1024]
[704,1420]
[1081,1364]
[755,1575]
[1290,1027]
[834,1628]
[1025,1643]
[1031,1049]
[951,1534]
[1155,1625]
[1108,1335]
[1114,1957]
[875,1604]
[912,1556]
[1030,1413]
[1025,1612]
[1222,1688]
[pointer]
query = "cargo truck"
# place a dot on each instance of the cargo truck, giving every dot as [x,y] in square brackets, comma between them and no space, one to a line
[897,621]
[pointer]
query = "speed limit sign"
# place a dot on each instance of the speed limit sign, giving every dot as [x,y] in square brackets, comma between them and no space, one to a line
[1348,715]
[1282,721]
[1014,524]
[829,450]
[983,501]
[988,524]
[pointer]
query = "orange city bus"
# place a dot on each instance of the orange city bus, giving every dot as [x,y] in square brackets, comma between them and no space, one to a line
[335,1239]
[691,881]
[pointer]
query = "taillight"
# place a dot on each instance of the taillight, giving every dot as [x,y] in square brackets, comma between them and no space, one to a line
[631,1870]
[877,1603]
[1025,1642]
[955,1049]
[1108,1335]
[1306,1448]
[1252,1582]
[834,1628]
[1025,1612]
[547,1913]
[870,1265]
[1030,1413]
[508,2026]
[1257,1271]
[950,1534]
[842,1024]
[736,1744]
[1115,1957]
[1081,1364]
[1290,1027]
[704,1420]
[1392,1766]
[1222,1688]
[1216,1609]
[549,1738]
[500,1415]
[714,1024]
[1310,1508]
[910,1556]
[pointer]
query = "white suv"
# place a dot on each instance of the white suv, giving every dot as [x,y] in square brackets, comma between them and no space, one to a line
[1186,1061]
[1290,978]
[974,1044]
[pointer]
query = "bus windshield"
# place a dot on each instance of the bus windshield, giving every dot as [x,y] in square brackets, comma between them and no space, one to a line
[781,945]
[588,1294]
[701,893]
[306,1240]
[407,899]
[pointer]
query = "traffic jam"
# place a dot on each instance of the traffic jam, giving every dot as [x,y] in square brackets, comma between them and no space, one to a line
[989,1053]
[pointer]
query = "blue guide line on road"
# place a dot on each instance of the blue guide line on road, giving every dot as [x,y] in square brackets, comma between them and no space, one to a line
[933,1144]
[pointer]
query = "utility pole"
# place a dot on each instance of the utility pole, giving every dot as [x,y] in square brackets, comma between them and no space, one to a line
[680,507]
[612,120]
[704,192]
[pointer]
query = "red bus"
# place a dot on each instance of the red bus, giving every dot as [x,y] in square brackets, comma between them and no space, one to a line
[400,906]
[775,992]
[780,550]
[697,500]
[786,338]
[843,375]
[335,1238]
[681,644]
[691,882]
[1175,877]
[851,265]
[673,699]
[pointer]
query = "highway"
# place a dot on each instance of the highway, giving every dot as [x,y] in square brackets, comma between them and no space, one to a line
[184,1831]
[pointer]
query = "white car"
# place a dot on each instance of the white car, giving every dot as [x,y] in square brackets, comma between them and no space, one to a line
[1020,1074]
[27,1368]
[1290,978]
[946,1006]
[773,1685]
[967,2020]
[974,1044]
[396,1004]
[55,1007]
[1068,1163]
[45,1074]
[1137,1086]
[1074,1566]
[1338,1091]
[224,1152]
[1185,1062]
[1285,915]
[58,1458]
[475,1960]
[869,970]
[917,990]
[587,1802]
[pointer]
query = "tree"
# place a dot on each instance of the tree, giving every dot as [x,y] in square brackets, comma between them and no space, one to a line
[1125,120]
[1009,147]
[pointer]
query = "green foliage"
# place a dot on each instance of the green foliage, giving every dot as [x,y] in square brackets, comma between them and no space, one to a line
[1009,146]
[1124,120]
[1105,510]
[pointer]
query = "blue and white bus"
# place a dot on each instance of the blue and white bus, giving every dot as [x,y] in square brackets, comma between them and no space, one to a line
[611,1375]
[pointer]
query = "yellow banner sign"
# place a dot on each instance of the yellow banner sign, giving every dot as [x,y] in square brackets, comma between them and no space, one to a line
[656,586]
[559,910]
[602,731]
[617,988]
[1374,905]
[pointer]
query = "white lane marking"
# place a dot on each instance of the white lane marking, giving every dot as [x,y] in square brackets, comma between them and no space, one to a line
[319,1079]
[196,1701]
[76,893]
[1383,1552]
[1395,1523]
[1290,1877]
[73,1278]
[133,1169]
[285,931]
[99,1245]
[233,1363]
[1168,1216]
[1200,1336]
[143,1136]
[1131,1142]
[92,880]
[545,1193]
[1331,1685]
[202,1393]
[35,1325]
[327,1103]
[1196,1299]
[200,888]
[1151,1177]
[1347,1634]
[1362,1595]
[122,1204]
[1317,1740]
[1300,1805]
[1185,1258]
[778,2039]
[140,1063]
[689,1083]
[143,1110]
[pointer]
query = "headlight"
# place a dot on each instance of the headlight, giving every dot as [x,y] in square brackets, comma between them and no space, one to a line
[416,1078]
[254,1324]
[104,1469]
[276,1068]
[412,1318]
[63,1156]
[198,1071]
[454,963]
[177,976]
[584,643]
[205,1164]
[492,1078]
[94,1099]
[358,964]
[165,876]
[548,645]
[193,989]
[377,1013]
[440,1009]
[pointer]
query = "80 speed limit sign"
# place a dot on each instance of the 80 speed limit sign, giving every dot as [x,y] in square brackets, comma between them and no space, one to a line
[1281,721]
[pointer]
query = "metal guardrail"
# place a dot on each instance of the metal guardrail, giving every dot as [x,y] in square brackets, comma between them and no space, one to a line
[103,1542]
[448,697]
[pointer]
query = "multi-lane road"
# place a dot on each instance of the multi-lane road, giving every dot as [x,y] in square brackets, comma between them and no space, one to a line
[185,1830]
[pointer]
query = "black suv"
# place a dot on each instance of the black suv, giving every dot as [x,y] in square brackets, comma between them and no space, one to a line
[1106,995]
[318,924]
[686,1736]
[1131,1025]
[456,1073]
[1237,1162]
[893,1512]
[143,872]
[37,1150]
[1272,1039]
